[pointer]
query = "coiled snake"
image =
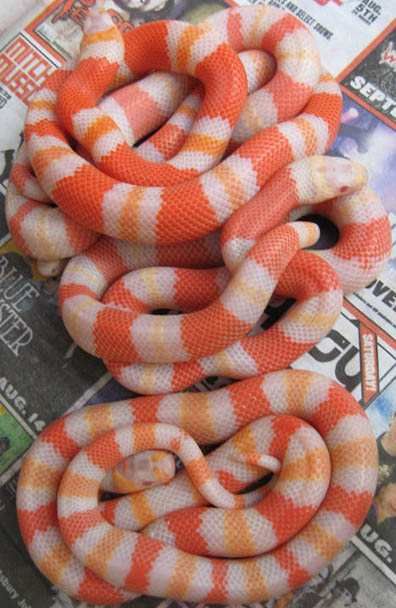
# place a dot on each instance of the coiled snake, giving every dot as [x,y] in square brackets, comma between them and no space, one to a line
[253,165]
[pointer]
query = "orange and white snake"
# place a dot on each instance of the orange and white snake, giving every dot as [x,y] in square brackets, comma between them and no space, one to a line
[142,229]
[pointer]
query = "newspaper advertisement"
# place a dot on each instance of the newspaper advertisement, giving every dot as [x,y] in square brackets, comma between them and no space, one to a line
[43,374]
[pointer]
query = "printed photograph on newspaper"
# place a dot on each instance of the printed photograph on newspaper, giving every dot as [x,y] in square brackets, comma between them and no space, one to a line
[373,78]
[23,68]
[59,28]
[377,537]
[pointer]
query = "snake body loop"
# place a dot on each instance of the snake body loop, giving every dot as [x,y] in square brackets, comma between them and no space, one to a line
[102,557]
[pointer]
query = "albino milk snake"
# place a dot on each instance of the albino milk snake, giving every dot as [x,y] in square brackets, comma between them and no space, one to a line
[159,209]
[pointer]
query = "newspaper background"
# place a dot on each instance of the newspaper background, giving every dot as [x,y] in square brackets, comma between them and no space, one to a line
[43,374]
